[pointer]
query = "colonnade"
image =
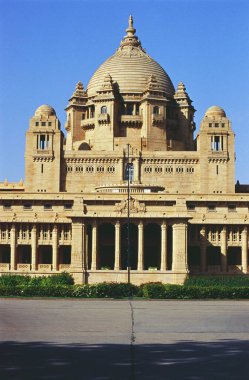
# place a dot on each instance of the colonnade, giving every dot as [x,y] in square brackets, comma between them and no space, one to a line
[34,248]
[179,246]
[223,249]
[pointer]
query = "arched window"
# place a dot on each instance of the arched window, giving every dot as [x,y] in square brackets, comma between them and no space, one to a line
[156,110]
[103,109]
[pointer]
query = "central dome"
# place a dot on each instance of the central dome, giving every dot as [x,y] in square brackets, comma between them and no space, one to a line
[131,68]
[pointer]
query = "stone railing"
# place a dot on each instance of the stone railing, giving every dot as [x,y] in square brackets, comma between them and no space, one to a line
[103,118]
[157,119]
[5,240]
[87,123]
[4,267]
[132,120]
[45,267]
[23,267]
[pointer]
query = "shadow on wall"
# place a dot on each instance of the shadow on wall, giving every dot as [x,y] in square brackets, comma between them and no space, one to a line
[189,360]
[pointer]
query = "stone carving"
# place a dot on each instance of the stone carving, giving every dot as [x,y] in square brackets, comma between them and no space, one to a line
[135,206]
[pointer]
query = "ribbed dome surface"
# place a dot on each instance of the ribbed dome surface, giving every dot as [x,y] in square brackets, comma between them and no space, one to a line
[131,68]
[131,74]
[45,110]
[215,111]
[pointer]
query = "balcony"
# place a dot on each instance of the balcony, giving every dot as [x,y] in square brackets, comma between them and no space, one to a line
[41,153]
[88,123]
[132,120]
[157,119]
[104,118]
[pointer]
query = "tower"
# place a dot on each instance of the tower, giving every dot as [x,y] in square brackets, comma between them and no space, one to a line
[215,143]
[44,141]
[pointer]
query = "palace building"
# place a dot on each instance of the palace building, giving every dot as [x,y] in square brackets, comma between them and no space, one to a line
[129,151]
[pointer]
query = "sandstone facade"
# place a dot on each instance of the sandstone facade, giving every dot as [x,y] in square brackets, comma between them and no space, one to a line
[128,163]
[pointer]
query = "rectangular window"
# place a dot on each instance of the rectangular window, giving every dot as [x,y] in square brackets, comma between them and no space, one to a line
[47,206]
[37,123]
[42,144]
[27,206]
[68,206]
[211,207]
[216,143]
[191,207]
[49,124]
[129,171]
[231,208]
[7,206]
[43,124]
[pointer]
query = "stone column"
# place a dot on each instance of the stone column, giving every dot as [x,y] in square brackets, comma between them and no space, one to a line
[179,263]
[120,169]
[94,245]
[13,247]
[78,245]
[117,265]
[34,248]
[163,246]
[203,246]
[136,169]
[223,249]
[140,264]
[244,249]
[55,248]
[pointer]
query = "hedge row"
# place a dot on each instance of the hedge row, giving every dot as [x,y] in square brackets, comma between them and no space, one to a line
[102,290]
[237,280]
[121,290]
[56,279]
[162,291]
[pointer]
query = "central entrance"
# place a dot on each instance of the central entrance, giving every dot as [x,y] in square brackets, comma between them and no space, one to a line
[133,245]
[106,244]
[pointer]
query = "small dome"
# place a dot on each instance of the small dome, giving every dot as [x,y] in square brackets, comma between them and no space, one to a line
[215,111]
[45,110]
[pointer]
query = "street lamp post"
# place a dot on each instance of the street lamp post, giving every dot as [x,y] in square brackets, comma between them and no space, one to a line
[128,213]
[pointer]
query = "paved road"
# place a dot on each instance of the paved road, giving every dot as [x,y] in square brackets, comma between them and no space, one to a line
[123,340]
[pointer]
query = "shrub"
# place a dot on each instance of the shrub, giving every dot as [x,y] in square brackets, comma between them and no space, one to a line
[58,279]
[102,290]
[13,280]
[40,287]
[107,290]
[153,290]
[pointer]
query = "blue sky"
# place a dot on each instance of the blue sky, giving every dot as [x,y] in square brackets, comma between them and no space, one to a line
[49,45]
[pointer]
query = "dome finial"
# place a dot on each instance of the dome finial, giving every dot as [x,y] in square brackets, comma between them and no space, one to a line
[130,30]
[130,21]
